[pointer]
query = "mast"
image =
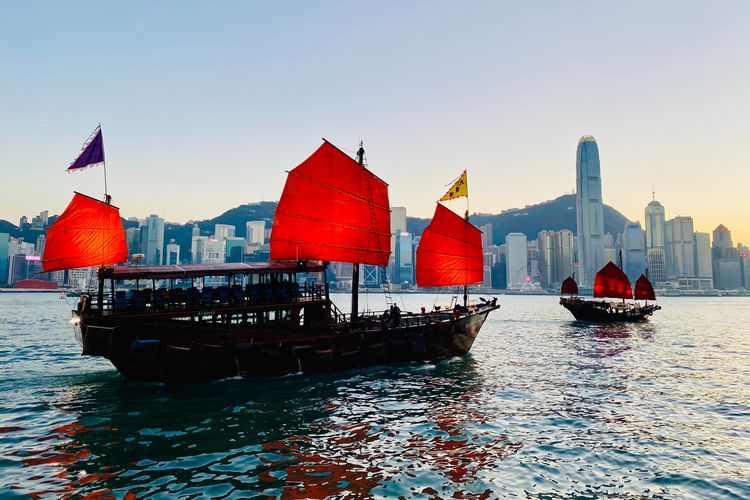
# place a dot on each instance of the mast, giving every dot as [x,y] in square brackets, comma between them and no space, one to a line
[466,286]
[355,266]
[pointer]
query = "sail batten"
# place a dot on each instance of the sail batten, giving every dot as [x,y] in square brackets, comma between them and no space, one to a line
[332,209]
[88,233]
[449,252]
[612,282]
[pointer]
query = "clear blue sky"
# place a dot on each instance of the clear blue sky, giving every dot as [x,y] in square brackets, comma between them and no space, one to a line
[205,105]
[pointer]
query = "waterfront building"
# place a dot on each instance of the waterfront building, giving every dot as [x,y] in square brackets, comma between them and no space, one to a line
[223,231]
[234,249]
[486,235]
[725,259]
[209,250]
[40,242]
[702,249]
[488,261]
[398,224]
[404,258]
[516,259]
[152,240]
[133,240]
[633,250]
[255,232]
[532,262]
[589,210]
[680,247]
[4,254]
[195,243]
[744,265]
[656,241]
[173,253]
[609,251]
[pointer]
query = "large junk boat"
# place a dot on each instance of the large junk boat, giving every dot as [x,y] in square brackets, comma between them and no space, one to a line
[184,323]
[610,282]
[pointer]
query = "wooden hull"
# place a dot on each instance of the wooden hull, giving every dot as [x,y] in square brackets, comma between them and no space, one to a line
[600,311]
[183,351]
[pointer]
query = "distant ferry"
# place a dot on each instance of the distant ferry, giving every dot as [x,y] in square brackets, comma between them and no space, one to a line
[610,282]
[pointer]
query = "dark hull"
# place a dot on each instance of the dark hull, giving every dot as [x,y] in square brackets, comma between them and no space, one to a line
[188,352]
[600,312]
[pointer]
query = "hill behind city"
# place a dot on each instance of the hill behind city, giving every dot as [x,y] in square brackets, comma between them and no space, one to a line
[554,214]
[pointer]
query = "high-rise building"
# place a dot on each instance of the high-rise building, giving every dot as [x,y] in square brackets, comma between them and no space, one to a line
[589,211]
[744,265]
[223,231]
[173,253]
[40,242]
[702,247]
[404,258]
[516,259]
[609,251]
[633,250]
[680,247]
[255,232]
[486,235]
[133,240]
[152,240]
[398,224]
[656,241]
[556,253]
[4,249]
[234,249]
[725,260]
[209,250]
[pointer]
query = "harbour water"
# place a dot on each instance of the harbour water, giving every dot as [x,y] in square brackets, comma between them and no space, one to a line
[543,406]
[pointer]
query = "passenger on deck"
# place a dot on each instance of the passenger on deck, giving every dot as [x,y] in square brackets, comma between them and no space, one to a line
[395,315]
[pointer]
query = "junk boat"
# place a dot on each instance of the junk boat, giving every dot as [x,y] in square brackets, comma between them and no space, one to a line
[186,323]
[610,282]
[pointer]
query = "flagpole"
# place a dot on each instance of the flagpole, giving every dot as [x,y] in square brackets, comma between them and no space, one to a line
[107,198]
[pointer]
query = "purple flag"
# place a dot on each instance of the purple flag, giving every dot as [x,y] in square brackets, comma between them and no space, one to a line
[91,154]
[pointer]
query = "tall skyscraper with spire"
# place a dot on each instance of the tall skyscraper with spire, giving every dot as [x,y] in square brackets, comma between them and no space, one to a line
[589,211]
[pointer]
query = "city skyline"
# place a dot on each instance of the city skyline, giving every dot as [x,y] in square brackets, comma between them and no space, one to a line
[499,89]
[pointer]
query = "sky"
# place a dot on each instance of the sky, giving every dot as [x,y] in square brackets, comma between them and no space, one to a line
[205,105]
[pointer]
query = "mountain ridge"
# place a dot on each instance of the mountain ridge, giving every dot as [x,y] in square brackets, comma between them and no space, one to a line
[555,215]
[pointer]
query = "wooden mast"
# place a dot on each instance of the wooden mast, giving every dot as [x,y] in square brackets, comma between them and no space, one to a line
[355,266]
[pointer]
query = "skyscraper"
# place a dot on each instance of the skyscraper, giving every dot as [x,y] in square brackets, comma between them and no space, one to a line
[680,250]
[173,253]
[255,232]
[633,250]
[656,241]
[702,246]
[516,259]
[727,266]
[152,240]
[223,231]
[589,212]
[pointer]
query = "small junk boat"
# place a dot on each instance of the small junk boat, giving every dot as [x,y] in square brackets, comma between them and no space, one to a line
[184,323]
[610,282]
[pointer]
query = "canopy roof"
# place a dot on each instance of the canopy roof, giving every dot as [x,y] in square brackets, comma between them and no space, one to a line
[199,270]
[612,282]
[332,209]
[643,289]
[88,233]
[449,252]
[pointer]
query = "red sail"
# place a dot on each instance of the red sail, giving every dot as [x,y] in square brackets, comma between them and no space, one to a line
[569,286]
[449,252]
[88,233]
[612,282]
[643,289]
[332,209]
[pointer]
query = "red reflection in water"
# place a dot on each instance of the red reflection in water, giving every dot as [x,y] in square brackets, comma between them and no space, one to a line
[64,452]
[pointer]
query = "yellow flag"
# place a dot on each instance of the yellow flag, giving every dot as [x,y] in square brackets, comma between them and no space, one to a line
[459,188]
